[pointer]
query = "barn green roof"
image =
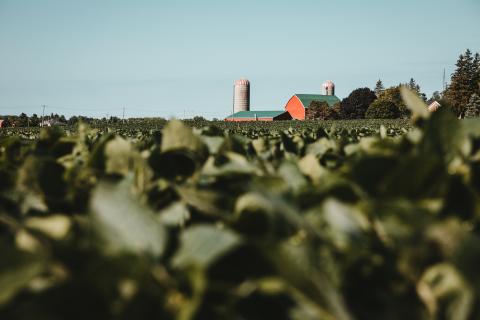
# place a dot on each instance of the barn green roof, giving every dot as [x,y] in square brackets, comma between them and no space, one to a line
[256,114]
[306,99]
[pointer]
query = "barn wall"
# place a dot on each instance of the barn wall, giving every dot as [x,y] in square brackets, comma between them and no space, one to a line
[295,108]
[283,116]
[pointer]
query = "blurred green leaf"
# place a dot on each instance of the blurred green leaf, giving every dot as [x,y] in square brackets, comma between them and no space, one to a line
[119,156]
[123,224]
[202,245]
[445,293]
[415,104]
[17,269]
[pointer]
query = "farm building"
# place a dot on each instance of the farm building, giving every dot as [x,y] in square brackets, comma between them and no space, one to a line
[434,106]
[259,116]
[297,104]
[294,109]
[1,123]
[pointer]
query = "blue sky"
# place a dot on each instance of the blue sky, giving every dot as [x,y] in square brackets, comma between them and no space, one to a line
[175,58]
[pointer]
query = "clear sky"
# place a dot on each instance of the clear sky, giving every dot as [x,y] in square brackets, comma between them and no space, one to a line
[174,58]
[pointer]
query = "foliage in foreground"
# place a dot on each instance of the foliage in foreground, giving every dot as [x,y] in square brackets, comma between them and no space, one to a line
[206,224]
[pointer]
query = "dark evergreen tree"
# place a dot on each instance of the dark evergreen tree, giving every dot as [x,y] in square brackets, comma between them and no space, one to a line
[412,85]
[476,66]
[472,109]
[415,87]
[379,88]
[356,104]
[464,82]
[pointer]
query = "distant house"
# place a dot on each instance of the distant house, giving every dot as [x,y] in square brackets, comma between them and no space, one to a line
[298,104]
[51,123]
[258,116]
[434,106]
[1,123]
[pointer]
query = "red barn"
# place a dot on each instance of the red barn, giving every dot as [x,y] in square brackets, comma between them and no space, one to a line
[297,104]
[258,116]
[1,123]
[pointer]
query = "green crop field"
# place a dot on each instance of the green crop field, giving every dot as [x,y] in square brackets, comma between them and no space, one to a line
[144,127]
[289,220]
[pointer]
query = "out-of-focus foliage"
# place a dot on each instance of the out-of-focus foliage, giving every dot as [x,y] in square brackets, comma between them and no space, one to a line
[244,221]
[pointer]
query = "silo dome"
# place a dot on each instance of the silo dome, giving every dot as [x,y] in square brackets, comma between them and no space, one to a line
[242,82]
[329,88]
[241,95]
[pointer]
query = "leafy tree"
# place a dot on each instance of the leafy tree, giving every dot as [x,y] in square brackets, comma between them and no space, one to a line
[379,88]
[464,82]
[34,120]
[114,119]
[436,96]
[336,112]
[472,109]
[393,94]
[22,120]
[318,111]
[199,119]
[357,103]
[6,123]
[73,120]
[382,109]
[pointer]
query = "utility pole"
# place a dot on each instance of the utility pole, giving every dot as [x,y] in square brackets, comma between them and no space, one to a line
[43,115]
[444,84]
[123,116]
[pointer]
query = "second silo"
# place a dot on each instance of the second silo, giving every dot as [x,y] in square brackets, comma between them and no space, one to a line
[241,95]
[329,88]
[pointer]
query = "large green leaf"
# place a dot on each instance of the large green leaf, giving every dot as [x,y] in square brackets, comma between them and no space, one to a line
[414,103]
[176,136]
[123,224]
[202,245]
[17,270]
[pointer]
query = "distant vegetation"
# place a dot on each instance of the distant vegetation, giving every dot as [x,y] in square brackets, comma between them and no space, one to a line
[462,94]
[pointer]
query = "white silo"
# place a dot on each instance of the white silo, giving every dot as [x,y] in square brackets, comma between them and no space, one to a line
[328,88]
[241,95]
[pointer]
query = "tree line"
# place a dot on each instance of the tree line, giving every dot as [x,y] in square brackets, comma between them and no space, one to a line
[462,96]
[23,120]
